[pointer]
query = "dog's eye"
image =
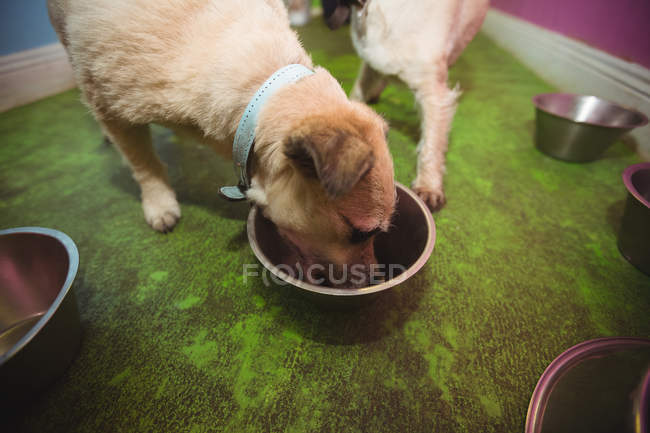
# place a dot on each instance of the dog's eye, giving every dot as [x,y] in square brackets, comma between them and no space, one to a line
[359,236]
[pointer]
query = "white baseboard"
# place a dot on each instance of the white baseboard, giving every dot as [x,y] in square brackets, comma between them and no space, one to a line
[30,75]
[575,67]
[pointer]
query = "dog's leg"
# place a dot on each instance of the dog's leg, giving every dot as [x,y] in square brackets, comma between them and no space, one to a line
[369,85]
[438,104]
[161,210]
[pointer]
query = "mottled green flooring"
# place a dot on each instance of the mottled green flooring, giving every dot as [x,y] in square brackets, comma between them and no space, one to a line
[525,266]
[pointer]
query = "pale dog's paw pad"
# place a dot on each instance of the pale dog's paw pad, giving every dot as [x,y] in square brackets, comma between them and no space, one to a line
[161,213]
[434,199]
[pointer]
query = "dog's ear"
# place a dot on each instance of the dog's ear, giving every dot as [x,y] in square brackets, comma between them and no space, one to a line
[337,158]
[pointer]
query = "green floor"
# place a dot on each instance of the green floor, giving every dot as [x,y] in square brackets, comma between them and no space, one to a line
[525,265]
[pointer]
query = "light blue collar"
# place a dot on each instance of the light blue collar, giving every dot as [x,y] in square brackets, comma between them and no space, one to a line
[245,135]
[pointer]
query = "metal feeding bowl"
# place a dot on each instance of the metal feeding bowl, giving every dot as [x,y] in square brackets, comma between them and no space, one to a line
[634,234]
[402,252]
[598,386]
[580,128]
[39,320]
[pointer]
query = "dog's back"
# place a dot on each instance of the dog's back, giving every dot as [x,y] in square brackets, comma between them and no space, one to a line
[398,35]
[149,59]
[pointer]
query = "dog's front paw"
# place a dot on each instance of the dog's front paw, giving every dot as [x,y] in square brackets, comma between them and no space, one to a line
[161,210]
[433,197]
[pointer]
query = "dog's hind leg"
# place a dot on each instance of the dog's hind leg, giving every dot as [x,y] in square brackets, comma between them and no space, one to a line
[369,85]
[437,104]
[161,210]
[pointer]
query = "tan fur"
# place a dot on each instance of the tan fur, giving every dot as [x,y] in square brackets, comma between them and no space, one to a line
[194,65]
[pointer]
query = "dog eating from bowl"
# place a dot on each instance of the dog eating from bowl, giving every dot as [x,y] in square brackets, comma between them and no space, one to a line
[319,169]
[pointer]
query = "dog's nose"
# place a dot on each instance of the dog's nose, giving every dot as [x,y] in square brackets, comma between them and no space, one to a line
[359,267]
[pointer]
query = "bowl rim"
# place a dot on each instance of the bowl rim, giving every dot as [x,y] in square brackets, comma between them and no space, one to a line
[537,102]
[627,180]
[642,404]
[416,266]
[564,361]
[73,265]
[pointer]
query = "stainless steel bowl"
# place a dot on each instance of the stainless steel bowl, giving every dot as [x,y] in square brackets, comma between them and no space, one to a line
[634,234]
[580,128]
[407,245]
[600,385]
[39,320]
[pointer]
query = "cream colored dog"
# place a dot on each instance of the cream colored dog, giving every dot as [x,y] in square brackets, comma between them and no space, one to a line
[416,41]
[320,167]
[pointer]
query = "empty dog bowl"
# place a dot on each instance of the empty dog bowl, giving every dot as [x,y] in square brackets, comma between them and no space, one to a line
[580,128]
[39,320]
[598,386]
[402,251]
[634,234]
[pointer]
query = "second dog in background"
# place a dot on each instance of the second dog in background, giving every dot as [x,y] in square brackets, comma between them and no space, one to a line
[417,41]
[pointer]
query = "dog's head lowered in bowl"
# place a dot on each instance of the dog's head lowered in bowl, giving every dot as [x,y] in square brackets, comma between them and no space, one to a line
[326,182]
[401,253]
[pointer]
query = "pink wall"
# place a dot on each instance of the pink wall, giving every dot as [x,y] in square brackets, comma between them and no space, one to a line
[619,27]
